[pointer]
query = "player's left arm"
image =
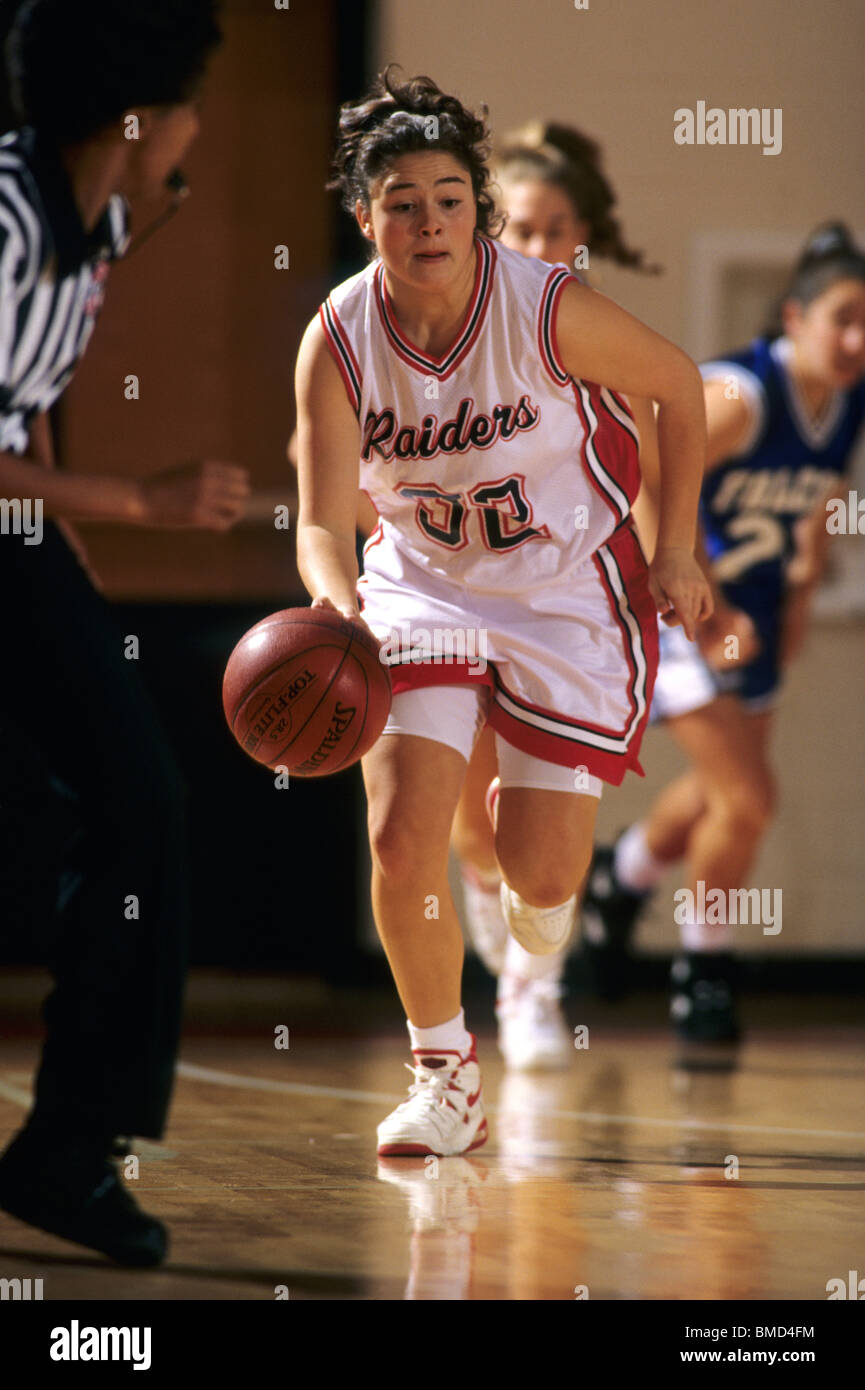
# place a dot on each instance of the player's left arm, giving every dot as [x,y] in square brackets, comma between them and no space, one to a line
[804,572]
[645,508]
[599,341]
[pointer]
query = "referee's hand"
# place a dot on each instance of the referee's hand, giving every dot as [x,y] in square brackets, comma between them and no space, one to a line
[208,495]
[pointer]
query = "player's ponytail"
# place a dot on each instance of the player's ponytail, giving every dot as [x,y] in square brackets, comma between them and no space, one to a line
[396,118]
[830,254]
[549,152]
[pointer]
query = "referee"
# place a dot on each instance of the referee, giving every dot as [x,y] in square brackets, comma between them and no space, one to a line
[91,803]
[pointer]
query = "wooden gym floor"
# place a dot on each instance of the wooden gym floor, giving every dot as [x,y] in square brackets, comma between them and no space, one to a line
[616,1178]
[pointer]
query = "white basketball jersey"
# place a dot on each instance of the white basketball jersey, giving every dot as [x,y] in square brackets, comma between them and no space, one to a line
[490,466]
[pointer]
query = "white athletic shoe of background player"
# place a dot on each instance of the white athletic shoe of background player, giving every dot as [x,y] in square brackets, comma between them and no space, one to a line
[444,1114]
[533,1035]
[482,906]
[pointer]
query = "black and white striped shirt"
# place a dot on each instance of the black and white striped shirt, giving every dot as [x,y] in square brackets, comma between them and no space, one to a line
[52,280]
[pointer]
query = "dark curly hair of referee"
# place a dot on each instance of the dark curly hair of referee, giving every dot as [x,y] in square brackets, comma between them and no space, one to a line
[75,66]
[397,118]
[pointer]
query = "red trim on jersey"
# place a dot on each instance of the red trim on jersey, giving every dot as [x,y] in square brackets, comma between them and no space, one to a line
[375,535]
[553,319]
[407,351]
[565,751]
[609,767]
[416,675]
[553,285]
[340,349]
[628,554]
[623,404]
[614,446]
[627,475]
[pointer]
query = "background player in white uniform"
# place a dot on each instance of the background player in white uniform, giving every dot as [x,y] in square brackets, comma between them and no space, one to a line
[461,374]
[777,448]
[558,205]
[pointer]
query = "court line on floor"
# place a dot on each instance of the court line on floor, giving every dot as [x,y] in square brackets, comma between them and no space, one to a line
[193,1072]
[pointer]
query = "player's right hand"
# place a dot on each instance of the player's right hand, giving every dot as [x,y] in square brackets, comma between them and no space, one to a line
[349,611]
[209,495]
[713,638]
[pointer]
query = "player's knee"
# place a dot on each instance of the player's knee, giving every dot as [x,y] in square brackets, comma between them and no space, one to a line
[399,848]
[542,885]
[751,804]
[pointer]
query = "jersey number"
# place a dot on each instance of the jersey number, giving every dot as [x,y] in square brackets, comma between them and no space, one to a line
[442,515]
[761,537]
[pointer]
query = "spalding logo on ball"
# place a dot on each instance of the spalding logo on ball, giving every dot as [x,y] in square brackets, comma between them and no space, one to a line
[304,689]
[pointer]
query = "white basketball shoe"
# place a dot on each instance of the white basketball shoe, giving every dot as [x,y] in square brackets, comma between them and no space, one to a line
[533,1035]
[444,1113]
[487,928]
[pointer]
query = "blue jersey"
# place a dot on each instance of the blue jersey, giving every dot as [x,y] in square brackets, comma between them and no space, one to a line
[751,502]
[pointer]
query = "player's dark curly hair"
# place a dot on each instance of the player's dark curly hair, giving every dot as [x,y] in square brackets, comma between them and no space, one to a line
[547,152]
[829,255]
[74,66]
[396,118]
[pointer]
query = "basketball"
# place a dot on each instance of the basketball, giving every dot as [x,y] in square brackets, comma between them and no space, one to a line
[304,689]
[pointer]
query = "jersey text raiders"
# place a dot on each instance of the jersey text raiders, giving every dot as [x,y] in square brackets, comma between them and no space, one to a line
[490,467]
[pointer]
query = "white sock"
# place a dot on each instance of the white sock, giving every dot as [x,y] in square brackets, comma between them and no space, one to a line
[444,1037]
[634,866]
[700,936]
[522,965]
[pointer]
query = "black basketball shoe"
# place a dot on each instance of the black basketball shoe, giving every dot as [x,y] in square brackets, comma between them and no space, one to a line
[703,1008]
[609,913]
[68,1187]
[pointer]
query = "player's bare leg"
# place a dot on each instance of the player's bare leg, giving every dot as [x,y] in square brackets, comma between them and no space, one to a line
[714,816]
[544,845]
[728,750]
[472,835]
[473,841]
[412,787]
[671,820]
[539,833]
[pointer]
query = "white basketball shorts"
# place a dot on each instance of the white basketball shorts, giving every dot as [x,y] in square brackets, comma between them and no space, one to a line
[570,669]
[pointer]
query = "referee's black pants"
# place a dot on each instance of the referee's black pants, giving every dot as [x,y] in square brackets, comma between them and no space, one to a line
[92,846]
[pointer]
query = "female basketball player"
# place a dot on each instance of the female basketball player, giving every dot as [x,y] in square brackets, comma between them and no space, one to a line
[558,206]
[464,376]
[783,419]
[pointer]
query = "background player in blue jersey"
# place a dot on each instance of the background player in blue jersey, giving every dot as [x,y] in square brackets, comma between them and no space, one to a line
[784,417]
